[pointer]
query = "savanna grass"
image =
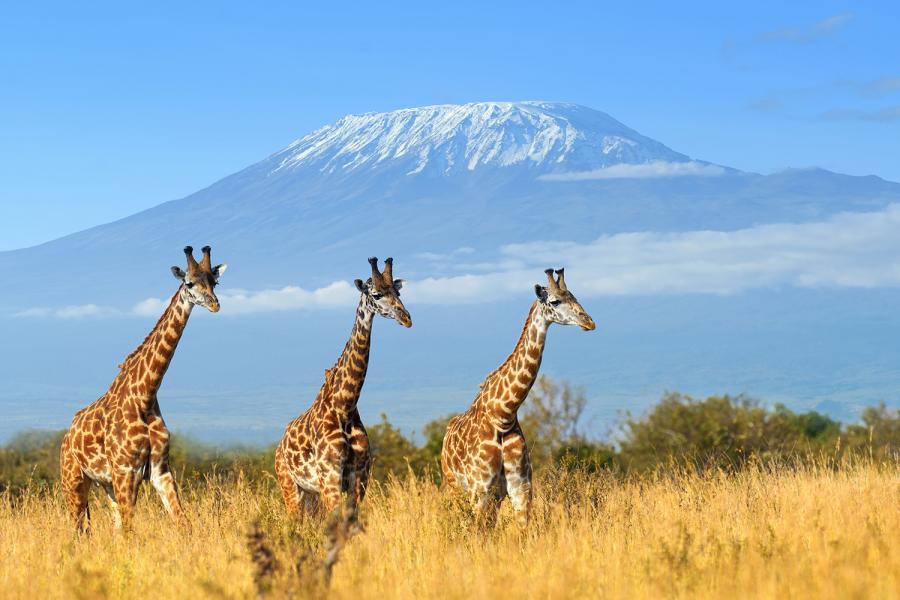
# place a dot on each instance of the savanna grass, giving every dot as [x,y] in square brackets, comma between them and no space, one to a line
[815,530]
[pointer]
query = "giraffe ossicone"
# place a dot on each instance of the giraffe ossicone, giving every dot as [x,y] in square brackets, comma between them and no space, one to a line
[324,452]
[121,439]
[484,453]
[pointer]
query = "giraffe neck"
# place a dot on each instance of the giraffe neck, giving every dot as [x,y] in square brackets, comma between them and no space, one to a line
[143,370]
[515,377]
[344,381]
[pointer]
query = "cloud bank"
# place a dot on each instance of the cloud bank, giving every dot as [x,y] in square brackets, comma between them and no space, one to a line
[850,250]
[233,302]
[79,311]
[649,170]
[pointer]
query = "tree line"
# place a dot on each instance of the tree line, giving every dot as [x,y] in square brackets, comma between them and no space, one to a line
[721,432]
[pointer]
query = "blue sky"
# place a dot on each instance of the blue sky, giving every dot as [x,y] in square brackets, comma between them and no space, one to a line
[110,109]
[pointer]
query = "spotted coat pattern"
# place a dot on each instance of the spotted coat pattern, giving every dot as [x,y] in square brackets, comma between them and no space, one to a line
[324,452]
[484,451]
[121,439]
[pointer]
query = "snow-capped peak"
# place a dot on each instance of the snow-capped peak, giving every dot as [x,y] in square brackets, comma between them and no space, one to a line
[445,138]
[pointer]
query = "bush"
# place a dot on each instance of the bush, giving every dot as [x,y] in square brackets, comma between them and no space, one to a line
[31,457]
[720,431]
[879,434]
[392,452]
[551,420]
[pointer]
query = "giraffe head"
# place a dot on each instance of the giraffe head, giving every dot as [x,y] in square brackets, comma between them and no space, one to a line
[200,280]
[381,292]
[559,304]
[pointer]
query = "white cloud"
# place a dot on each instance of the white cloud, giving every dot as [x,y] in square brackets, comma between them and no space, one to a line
[858,250]
[150,307]
[80,311]
[242,302]
[445,256]
[233,302]
[337,294]
[649,170]
[850,250]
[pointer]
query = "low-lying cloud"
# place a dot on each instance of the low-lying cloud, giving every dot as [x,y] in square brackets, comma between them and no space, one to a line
[849,250]
[649,170]
[233,302]
[79,311]
[445,256]
[242,302]
[337,294]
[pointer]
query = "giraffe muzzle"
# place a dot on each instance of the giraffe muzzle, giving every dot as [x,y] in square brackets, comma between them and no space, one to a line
[587,324]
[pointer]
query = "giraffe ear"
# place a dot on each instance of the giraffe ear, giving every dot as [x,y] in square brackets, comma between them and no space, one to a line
[398,284]
[360,285]
[218,270]
[178,273]
[541,292]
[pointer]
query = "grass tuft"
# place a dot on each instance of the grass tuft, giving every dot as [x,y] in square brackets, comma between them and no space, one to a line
[820,529]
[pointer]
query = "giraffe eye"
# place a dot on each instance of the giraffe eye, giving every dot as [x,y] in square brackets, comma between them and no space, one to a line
[189,284]
[555,302]
[377,296]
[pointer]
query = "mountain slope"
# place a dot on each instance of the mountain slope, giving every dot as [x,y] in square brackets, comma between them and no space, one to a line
[424,180]
[453,138]
[434,180]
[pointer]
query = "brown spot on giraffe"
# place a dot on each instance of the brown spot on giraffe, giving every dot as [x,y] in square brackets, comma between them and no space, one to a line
[121,439]
[484,452]
[325,451]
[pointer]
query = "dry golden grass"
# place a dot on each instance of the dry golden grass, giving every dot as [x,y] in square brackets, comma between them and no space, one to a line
[769,533]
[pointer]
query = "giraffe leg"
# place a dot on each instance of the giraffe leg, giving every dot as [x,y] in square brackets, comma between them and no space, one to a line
[362,459]
[75,487]
[450,457]
[310,502]
[517,473]
[114,506]
[164,483]
[293,496]
[485,479]
[485,505]
[75,491]
[160,475]
[124,484]
[330,487]
[331,475]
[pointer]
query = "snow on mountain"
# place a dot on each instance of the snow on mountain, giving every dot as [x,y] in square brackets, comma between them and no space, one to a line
[450,192]
[429,180]
[451,138]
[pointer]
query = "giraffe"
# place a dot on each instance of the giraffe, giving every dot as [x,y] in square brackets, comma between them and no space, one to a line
[325,451]
[121,439]
[484,452]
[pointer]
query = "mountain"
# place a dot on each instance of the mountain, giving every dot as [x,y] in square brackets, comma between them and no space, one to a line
[543,136]
[454,192]
[428,179]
